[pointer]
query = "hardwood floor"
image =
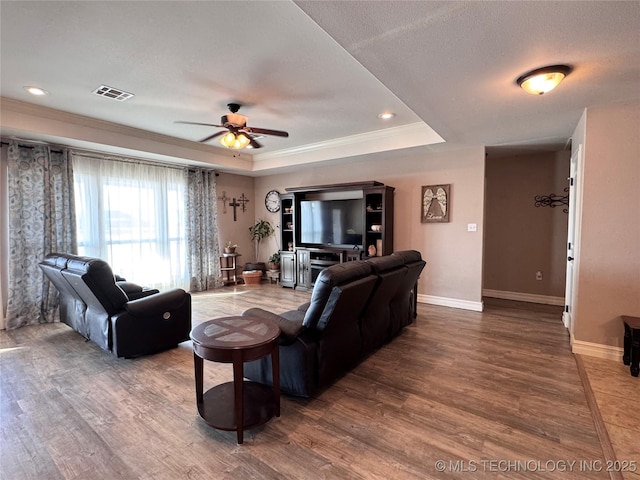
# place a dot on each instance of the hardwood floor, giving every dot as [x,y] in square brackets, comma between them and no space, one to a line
[617,394]
[479,391]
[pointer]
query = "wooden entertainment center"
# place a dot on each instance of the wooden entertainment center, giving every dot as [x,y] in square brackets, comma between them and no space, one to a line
[301,261]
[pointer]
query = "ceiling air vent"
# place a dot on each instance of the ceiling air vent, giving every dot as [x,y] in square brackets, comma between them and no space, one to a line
[110,92]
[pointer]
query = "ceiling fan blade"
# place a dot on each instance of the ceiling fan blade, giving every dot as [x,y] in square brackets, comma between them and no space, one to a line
[254,143]
[197,123]
[211,137]
[264,131]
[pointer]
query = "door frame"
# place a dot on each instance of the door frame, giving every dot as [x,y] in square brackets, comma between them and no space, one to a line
[576,181]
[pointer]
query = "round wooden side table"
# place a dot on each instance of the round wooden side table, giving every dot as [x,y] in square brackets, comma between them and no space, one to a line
[240,404]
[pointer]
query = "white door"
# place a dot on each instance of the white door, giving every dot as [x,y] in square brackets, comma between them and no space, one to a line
[576,160]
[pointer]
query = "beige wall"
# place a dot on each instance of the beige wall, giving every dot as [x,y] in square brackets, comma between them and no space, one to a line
[608,277]
[237,232]
[453,255]
[522,239]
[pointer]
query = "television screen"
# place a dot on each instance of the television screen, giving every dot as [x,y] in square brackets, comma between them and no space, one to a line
[331,222]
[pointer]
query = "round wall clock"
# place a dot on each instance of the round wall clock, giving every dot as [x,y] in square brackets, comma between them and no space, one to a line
[272,201]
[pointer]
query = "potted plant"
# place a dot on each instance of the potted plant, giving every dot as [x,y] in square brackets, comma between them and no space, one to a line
[274,261]
[257,232]
[230,247]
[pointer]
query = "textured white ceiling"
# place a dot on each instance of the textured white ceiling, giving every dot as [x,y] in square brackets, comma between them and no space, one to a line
[320,70]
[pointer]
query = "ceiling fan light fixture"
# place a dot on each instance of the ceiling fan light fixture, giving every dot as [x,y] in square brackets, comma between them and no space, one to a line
[242,141]
[543,80]
[235,141]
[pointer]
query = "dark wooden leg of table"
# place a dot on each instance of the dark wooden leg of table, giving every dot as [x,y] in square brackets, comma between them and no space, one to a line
[626,356]
[198,370]
[635,352]
[275,372]
[238,389]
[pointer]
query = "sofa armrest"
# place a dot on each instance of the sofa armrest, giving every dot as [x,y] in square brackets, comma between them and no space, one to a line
[152,324]
[289,329]
[304,307]
[157,304]
[133,291]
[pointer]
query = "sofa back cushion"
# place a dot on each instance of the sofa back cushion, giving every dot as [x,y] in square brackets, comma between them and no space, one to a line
[333,276]
[338,329]
[376,320]
[71,306]
[386,263]
[402,303]
[94,281]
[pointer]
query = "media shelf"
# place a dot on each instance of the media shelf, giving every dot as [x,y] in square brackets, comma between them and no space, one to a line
[379,219]
[301,261]
[287,221]
[311,261]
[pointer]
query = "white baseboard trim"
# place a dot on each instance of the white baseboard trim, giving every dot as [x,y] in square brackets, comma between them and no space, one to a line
[598,350]
[450,302]
[523,297]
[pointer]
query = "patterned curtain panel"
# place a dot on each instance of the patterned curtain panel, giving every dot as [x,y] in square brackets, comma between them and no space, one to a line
[202,231]
[41,221]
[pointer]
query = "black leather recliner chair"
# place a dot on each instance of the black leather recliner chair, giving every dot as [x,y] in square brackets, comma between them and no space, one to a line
[119,316]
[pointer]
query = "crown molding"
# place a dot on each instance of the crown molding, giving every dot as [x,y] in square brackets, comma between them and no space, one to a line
[394,138]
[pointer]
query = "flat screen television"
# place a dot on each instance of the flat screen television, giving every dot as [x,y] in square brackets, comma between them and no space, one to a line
[331,222]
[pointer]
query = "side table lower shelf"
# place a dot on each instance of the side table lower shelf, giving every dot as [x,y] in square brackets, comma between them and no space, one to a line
[228,268]
[217,408]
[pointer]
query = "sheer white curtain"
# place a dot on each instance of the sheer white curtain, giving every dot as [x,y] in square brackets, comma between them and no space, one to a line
[132,215]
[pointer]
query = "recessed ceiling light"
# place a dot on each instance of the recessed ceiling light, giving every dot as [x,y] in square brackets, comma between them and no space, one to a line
[386,115]
[35,90]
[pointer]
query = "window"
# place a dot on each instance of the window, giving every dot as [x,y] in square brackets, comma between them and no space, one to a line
[132,215]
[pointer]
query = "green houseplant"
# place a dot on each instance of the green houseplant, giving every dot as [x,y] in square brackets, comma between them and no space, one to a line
[259,231]
[274,261]
[230,247]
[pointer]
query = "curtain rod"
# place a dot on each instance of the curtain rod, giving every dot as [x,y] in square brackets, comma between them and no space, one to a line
[118,158]
[29,146]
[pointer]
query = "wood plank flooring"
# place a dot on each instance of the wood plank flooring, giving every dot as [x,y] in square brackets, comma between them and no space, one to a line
[617,395]
[479,391]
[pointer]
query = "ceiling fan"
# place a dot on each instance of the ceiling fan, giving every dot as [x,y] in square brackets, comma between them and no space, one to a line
[238,135]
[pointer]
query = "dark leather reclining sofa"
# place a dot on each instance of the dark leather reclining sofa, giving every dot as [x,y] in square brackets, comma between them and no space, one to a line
[119,316]
[355,308]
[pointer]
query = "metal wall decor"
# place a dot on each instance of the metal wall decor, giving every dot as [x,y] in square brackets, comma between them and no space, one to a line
[240,202]
[243,200]
[224,199]
[552,200]
[234,205]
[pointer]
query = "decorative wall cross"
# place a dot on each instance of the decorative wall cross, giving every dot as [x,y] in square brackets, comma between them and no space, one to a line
[234,204]
[243,200]
[224,199]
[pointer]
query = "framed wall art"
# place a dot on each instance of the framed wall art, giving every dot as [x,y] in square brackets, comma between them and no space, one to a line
[436,203]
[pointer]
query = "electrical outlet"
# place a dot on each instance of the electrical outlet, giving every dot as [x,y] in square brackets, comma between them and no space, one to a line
[538,275]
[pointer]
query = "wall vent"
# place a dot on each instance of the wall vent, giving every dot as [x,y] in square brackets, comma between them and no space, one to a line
[114,93]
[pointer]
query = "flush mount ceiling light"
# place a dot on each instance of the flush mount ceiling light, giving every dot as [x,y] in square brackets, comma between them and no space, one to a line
[386,115]
[543,80]
[35,90]
[235,141]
